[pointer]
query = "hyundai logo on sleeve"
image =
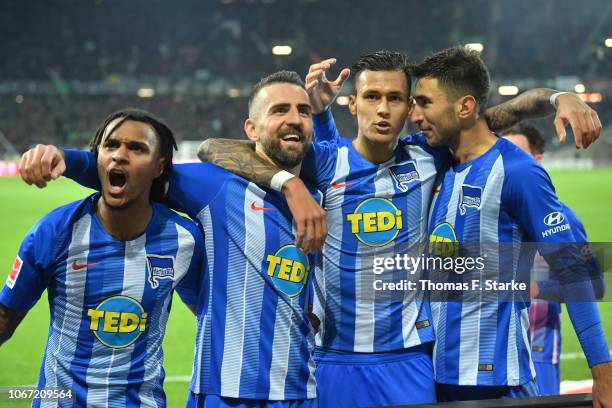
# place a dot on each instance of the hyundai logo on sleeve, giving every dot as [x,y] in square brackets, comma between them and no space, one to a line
[554,218]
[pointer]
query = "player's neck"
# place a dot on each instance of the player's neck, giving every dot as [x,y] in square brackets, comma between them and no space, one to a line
[127,223]
[473,142]
[374,151]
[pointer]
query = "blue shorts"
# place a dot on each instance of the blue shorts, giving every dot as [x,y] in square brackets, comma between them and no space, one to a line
[547,378]
[453,392]
[374,379]
[217,401]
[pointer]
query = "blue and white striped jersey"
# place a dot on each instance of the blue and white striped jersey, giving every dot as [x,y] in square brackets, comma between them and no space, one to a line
[253,337]
[253,340]
[109,301]
[373,211]
[503,197]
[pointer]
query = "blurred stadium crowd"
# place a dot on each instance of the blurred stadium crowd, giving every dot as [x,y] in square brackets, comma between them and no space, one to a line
[200,57]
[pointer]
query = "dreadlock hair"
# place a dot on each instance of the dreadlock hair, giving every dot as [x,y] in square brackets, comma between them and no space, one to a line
[382,60]
[164,135]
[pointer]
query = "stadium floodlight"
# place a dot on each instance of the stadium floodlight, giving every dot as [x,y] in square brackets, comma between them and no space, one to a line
[508,90]
[146,92]
[478,47]
[233,92]
[282,50]
[342,100]
[608,42]
[579,88]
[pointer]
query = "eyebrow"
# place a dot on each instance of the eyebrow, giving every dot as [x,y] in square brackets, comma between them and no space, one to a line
[288,105]
[112,138]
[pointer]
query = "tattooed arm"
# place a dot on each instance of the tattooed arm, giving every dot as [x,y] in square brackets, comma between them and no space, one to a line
[239,157]
[535,103]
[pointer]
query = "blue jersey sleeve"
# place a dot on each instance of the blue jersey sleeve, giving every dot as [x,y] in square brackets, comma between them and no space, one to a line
[324,127]
[82,167]
[550,289]
[29,275]
[192,186]
[534,205]
[319,165]
[189,287]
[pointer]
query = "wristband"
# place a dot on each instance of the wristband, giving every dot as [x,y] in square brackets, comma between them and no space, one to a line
[553,98]
[280,179]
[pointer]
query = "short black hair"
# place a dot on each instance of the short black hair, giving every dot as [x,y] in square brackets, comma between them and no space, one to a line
[460,71]
[535,138]
[164,135]
[279,77]
[382,60]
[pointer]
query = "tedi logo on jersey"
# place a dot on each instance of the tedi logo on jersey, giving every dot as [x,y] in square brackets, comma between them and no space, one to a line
[443,241]
[376,221]
[160,267]
[554,219]
[118,321]
[470,197]
[289,269]
[404,173]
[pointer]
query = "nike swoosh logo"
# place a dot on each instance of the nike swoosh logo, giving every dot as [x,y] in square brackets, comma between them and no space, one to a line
[77,267]
[255,207]
[341,185]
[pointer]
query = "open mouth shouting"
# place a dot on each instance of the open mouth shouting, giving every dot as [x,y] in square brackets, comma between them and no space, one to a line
[117,180]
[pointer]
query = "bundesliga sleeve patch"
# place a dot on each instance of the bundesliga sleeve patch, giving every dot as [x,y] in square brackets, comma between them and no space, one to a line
[14,273]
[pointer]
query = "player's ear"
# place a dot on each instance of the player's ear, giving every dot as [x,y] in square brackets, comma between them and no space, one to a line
[466,106]
[411,103]
[352,105]
[161,163]
[249,129]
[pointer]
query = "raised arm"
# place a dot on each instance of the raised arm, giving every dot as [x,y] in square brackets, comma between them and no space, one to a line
[535,103]
[239,157]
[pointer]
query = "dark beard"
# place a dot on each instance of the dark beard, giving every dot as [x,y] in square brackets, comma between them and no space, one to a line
[283,158]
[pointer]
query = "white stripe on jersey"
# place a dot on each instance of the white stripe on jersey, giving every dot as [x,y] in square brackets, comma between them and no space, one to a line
[453,203]
[330,274]
[102,364]
[207,224]
[184,254]
[470,354]
[72,311]
[281,345]
[252,286]
[425,165]
[365,303]
[526,342]
[153,362]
